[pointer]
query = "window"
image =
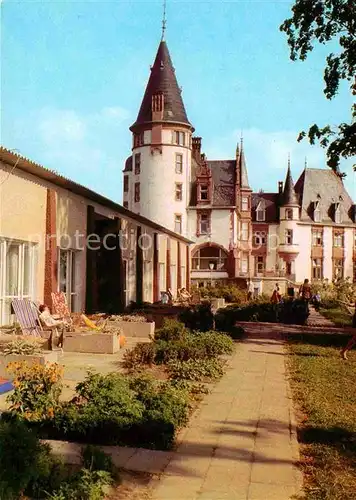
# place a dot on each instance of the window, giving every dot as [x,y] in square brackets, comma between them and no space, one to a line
[137,192]
[317,269]
[244,203]
[126,204]
[338,268]
[260,264]
[244,263]
[288,268]
[203,192]
[289,237]
[317,215]
[137,163]
[338,239]
[126,183]
[209,255]
[179,192]
[204,227]
[260,215]
[289,213]
[179,138]
[179,163]
[138,140]
[178,223]
[17,274]
[338,215]
[162,277]
[317,237]
[260,238]
[67,276]
[244,231]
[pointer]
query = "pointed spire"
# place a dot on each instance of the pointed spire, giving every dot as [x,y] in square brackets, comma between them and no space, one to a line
[243,169]
[289,195]
[163,81]
[164,20]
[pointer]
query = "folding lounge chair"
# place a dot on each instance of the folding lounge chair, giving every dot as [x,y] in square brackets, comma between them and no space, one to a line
[30,324]
[60,306]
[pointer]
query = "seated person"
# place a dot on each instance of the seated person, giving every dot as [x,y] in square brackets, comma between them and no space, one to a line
[50,322]
[184,294]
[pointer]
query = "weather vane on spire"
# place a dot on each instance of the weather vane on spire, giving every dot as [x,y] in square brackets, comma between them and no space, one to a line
[164,20]
[288,160]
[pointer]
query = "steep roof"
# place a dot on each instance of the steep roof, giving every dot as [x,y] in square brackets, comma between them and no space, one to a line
[242,167]
[163,80]
[289,196]
[323,186]
[223,180]
[270,202]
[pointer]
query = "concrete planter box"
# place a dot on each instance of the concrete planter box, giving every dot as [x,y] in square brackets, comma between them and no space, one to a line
[217,303]
[92,342]
[135,328]
[42,359]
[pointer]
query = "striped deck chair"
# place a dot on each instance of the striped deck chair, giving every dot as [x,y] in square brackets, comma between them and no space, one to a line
[60,306]
[27,316]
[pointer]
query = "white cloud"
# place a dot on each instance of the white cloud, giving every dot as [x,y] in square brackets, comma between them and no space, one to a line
[57,125]
[115,112]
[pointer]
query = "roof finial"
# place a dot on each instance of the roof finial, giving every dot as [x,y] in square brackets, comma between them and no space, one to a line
[288,160]
[242,138]
[305,162]
[164,20]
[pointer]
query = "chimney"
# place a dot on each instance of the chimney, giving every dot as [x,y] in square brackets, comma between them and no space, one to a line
[196,147]
[157,106]
[280,187]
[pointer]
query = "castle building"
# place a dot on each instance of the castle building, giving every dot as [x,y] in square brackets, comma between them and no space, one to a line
[306,230]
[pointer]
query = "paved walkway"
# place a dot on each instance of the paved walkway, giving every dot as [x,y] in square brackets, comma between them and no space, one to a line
[241,445]
[317,319]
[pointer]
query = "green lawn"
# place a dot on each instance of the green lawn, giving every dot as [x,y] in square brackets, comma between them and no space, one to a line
[324,388]
[338,315]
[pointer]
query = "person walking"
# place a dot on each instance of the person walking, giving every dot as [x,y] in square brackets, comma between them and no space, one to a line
[305,291]
[352,341]
[276,295]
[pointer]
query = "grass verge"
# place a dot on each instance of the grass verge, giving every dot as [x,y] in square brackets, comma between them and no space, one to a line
[324,391]
[338,315]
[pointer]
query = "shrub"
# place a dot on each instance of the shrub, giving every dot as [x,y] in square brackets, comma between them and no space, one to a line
[21,347]
[198,370]
[212,343]
[143,353]
[85,485]
[171,330]
[94,459]
[293,312]
[23,459]
[231,293]
[181,351]
[36,389]
[198,317]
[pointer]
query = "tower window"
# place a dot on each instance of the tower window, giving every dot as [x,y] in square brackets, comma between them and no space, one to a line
[204,224]
[179,163]
[179,191]
[138,140]
[137,192]
[317,271]
[204,195]
[137,163]
[244,231]
[178,223]
[244,203]
[289,237]
[289,214]
[179,138]
[126,183]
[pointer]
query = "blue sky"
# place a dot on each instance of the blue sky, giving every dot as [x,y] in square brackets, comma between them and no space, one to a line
[73,75]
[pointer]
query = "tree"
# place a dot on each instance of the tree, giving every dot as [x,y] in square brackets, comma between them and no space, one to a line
[328,21]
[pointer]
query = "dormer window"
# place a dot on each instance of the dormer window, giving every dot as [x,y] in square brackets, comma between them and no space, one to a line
[337,216]
[317,212]
[260,212]
[204,193]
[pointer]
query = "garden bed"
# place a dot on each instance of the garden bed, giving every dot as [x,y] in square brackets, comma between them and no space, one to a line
[92,342]
[134,328]
[30,360]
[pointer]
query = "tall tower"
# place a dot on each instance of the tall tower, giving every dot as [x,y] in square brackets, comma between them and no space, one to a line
[157,175]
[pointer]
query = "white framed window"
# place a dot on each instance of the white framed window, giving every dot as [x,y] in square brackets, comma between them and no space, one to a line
[338,268]
[289,213]
[244,263]
[179,163]
[317,215]
[338,215]
[260,264]
[317,269]
[147,280]
[260,238]
[260,215]
[204,224]
[162,277]
[244,203]
[137,163]
[207,255]
[244,231]
[289,237]
[179,138]
[17,274]
[179,191]
[318,237]
[338,239]
[203,193]
[178,223]
[67,276]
